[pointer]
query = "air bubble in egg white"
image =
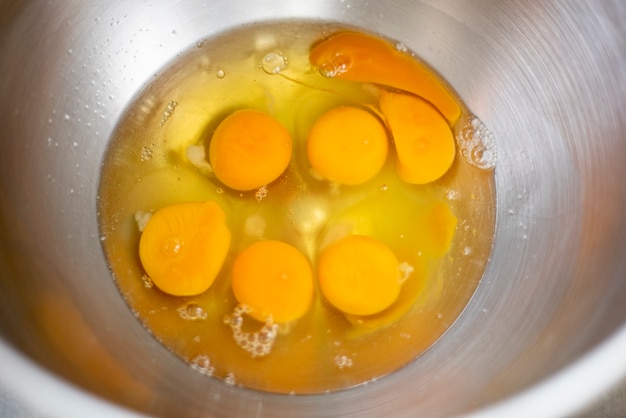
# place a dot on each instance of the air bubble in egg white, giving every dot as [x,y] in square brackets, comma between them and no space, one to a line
[203,365]
[147,281]
[169,111]
[477,144]
[342,361]
[259,343]
[400,47]
[261,193]
[273,63]
[337,65]
[192,312]
[146,154]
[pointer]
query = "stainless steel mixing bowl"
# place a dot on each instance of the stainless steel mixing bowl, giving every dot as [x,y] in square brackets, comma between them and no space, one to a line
[546,330]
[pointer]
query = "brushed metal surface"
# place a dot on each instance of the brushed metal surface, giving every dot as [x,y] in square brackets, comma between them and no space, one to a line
[546,331]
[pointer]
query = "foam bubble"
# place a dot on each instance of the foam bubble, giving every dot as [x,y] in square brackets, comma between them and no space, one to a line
[146,154]
[261,193]
[147,281]
[259,343]
[203,365]
[273,63]
[477,145]
[168,112]
[192,312]
[337,65]
[342,361]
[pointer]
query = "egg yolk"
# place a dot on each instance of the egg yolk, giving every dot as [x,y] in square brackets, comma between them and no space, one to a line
[273,278]
[249,149]
[359,275]
[363,58]
[411,289]
[424,143]
[347,145]
[183,246]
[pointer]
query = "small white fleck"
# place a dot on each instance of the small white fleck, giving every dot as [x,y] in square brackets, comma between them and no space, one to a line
[405,270]
[452,194]
[230,379]
[196,154]
[142,218]
[400,47]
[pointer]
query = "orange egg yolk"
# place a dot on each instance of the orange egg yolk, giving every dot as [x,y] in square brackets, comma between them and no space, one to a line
[411,289]
[183,247]
[347,145]
[249,149]
[359,275]
[424,143]
[363,58]
[274,279]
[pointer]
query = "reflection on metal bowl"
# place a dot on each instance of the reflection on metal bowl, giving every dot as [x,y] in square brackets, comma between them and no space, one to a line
[546,330]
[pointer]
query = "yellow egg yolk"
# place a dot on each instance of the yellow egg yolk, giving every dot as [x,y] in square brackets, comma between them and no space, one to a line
[347,145]
[274,279]
[359,275]
[183,247]
[424,143]
[249,149]
[364,58]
